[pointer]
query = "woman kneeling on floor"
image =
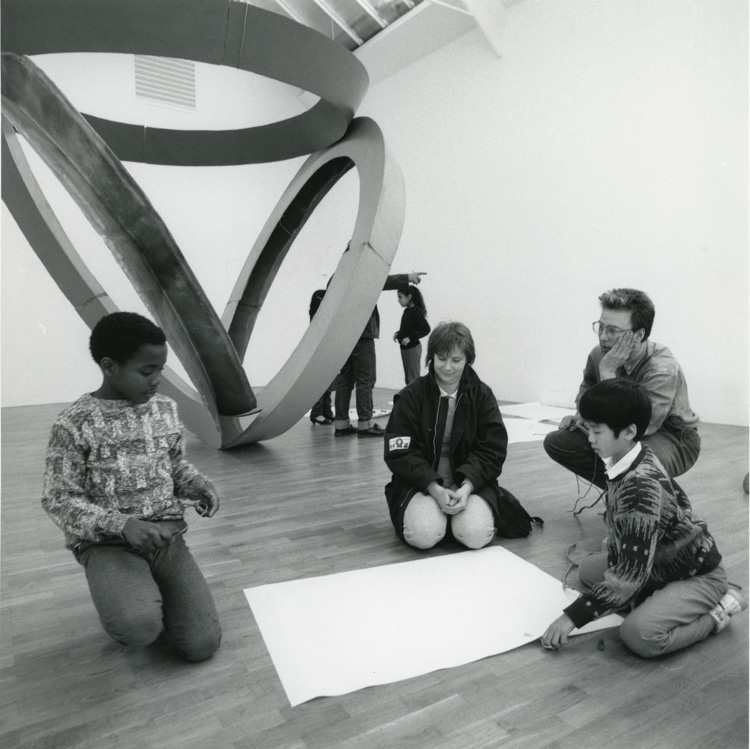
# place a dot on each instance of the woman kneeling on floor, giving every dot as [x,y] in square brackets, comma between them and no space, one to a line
[445,444]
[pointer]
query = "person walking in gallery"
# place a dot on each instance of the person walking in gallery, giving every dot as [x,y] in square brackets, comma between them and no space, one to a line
[445,444]
[321,412]
[117,482]
[414,326]
[360,371]
[661,564]
[625,352]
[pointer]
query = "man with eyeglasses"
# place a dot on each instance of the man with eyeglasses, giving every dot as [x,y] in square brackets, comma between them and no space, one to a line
[625,351]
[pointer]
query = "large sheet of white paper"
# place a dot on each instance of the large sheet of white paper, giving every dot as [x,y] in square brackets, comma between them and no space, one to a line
[525,430]
[536,411]
[335,634]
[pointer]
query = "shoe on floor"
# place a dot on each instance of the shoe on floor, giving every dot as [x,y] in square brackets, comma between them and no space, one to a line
[731,603]
[345,432]
[374,431]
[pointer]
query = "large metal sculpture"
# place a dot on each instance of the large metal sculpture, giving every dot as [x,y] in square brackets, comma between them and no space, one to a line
[84,152]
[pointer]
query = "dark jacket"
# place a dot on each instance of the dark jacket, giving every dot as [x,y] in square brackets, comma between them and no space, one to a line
[414,326]
[372,329]
[413,437]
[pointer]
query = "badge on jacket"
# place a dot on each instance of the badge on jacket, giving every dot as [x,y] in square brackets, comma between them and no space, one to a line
[399,443]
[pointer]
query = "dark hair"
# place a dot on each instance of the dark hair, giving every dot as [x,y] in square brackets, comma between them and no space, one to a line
[639,305]
[119,335]
[618,404]
[448,336]
[416,296]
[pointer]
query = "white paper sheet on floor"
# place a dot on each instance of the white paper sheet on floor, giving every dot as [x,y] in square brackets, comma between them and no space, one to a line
[338,633]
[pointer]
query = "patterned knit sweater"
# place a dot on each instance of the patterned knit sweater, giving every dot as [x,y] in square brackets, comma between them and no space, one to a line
[111,460]
[653,540]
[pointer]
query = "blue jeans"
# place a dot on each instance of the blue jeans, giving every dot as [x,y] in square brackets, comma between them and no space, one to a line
[137,595]
[359,370]
[677,452]
[670,618]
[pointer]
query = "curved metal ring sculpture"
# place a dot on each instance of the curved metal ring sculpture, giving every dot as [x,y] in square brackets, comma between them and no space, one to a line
[210,349]
[222,32]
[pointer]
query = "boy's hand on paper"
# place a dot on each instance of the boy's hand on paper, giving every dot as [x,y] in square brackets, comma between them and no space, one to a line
[557,633]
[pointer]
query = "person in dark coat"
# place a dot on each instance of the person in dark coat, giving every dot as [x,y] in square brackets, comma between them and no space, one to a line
[445,444]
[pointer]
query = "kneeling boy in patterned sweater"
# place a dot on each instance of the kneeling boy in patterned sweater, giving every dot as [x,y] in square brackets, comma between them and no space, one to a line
[117,483]
[661,562]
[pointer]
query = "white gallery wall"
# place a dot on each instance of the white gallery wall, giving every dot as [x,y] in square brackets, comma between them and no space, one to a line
[607,147]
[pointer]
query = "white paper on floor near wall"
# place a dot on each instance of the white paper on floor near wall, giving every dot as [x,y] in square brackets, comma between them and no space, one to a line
[536,411]
[335,634]
[524,430]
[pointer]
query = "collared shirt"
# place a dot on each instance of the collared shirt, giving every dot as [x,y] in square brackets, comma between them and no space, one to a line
[622,465]
[655,368]
[443,394]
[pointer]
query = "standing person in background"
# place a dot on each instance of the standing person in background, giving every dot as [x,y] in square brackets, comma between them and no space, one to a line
[360,371]
[414,326]
[321,412]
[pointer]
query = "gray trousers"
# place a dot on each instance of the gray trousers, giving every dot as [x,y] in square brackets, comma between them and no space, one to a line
[670,618]
[137,596]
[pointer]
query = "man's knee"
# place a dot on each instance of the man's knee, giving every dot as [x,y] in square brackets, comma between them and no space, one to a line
[552,445]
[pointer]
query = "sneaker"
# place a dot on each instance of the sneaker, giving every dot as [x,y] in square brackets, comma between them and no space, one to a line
[731,603]
[374,431]
[345,432]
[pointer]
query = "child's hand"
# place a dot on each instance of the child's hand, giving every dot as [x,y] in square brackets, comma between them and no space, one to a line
[557,633]
[146,537]
[209,502]
[405,342]
[395,336]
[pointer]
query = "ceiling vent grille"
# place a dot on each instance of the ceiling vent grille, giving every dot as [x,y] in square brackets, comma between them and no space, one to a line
[164,81]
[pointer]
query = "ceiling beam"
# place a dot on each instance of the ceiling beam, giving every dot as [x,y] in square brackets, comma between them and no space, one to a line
[334,16]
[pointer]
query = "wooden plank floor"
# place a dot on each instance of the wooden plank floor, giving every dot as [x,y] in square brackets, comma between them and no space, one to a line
[307,504]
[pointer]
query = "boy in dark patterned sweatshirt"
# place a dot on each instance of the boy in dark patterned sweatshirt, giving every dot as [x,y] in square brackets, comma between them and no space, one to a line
[117,483]
[660,563]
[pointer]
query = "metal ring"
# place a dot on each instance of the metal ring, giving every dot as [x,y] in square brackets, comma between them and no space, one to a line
[355,287]
[221,32]
[211,351]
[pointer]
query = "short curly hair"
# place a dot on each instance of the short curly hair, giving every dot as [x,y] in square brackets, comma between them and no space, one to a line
[448,336]
[119,335]
[636,302]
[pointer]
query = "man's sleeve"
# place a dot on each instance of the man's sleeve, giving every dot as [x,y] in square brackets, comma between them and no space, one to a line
[661,385]
[396,281]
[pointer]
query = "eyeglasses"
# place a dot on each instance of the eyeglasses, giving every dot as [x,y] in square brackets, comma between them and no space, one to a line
[600,328]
